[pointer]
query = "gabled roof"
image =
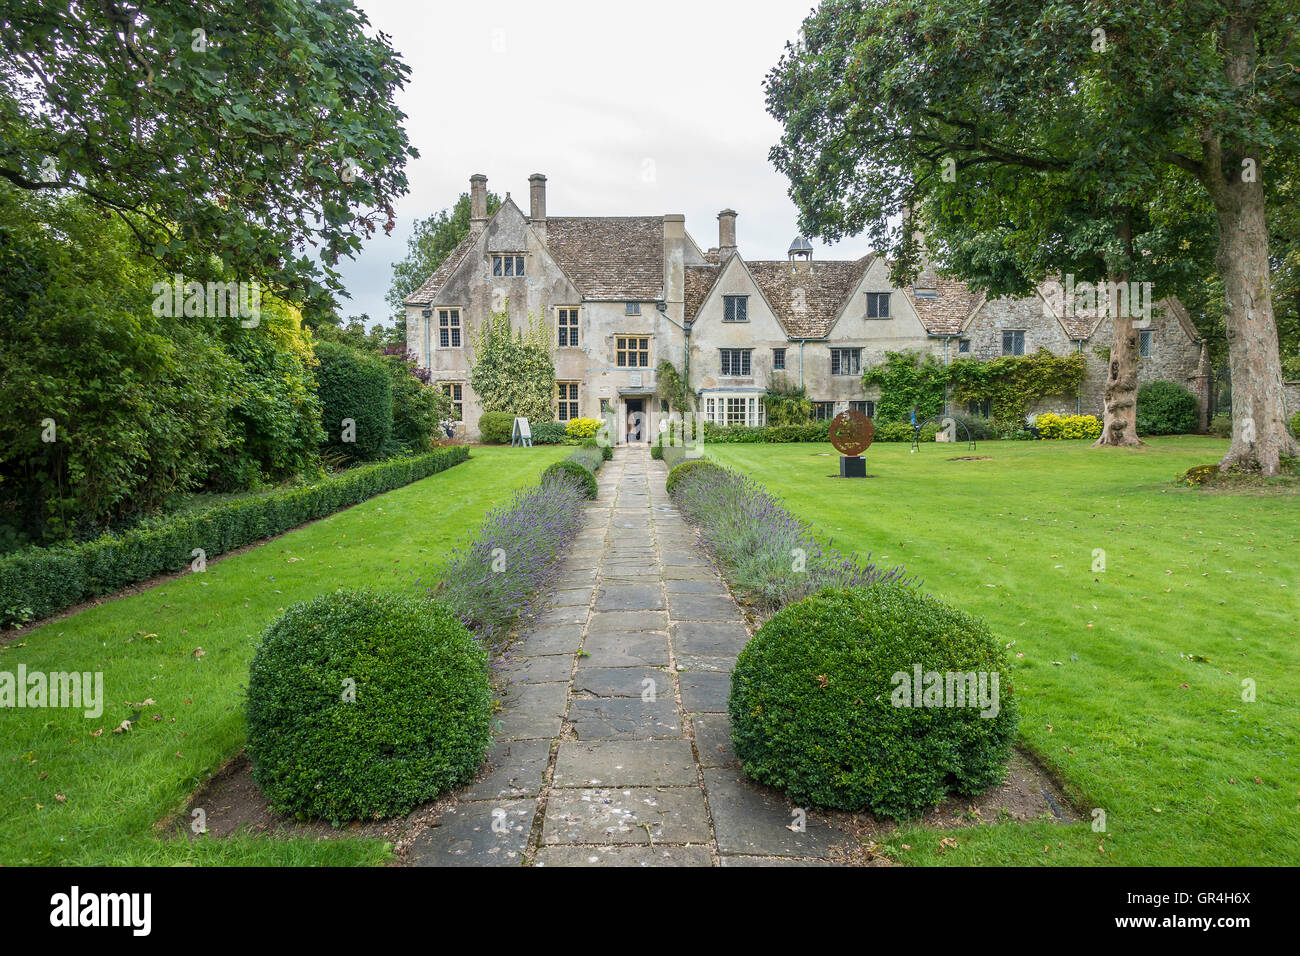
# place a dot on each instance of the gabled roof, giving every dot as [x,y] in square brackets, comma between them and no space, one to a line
[946,312]
[807,301]
[610,257]
[699,280]
[425,293]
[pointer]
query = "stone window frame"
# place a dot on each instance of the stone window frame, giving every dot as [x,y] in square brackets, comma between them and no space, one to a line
[730,409]
[631,308]
[823,411]
[566,394]
[1013,332]
[838,354]
[963,346]
[456,391]
[735,308]
[1147,336]
[515,261]
[865,406]
[624,353]
[873,301]
[567,335]
[450,328]
[778,360]
[729,357]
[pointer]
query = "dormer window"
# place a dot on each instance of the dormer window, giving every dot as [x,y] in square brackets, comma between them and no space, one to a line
[877,305]
[507,265]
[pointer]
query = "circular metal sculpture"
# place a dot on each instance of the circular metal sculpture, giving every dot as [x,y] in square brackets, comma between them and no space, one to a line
[852,433]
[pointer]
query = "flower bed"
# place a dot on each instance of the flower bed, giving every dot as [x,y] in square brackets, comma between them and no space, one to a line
[491,582]
[42,581]
[765,551]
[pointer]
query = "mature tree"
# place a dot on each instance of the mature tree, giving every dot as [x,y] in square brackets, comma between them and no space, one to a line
[431,241]
[263,134]
[877,92]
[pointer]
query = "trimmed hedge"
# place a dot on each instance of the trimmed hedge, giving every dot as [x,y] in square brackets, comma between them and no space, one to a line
[822,707]
[582,466]
[39,582]
[606,451]
[354,385]
[682,469]
[548,433]
[365,704]
[1052,426]
[495,428]
[1166,408]
[747,434]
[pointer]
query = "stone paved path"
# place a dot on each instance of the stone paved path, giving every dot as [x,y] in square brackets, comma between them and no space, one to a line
[613,746]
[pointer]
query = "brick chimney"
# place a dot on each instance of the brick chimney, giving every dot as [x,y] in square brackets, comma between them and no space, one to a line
[478,198]
[726,234]
[537,203]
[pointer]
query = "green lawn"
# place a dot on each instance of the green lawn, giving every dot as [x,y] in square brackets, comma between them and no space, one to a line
[1130,683]
[117,786]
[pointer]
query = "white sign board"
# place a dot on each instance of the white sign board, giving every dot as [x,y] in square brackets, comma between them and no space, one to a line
[521,435]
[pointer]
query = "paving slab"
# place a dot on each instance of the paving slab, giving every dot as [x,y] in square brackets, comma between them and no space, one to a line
[514,768]
[621,681]
[629,718]
[608,621]
[648,815]
[704,691]
[750,820]
[625,763]
[625,649]
[709,638]
[625,855]
[713,740]
[477,833]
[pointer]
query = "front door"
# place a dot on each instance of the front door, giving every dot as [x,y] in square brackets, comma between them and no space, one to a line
[636,426]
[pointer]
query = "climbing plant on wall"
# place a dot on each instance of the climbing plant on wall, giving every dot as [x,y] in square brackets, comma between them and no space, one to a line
[671,387]
[1011,384]
[907,380]
[514,371]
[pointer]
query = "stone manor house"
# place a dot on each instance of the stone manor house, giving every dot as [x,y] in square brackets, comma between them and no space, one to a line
[620,294]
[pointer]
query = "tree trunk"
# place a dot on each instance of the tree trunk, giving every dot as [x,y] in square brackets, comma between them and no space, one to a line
[1259,433]
[1259,430]
[1119,426]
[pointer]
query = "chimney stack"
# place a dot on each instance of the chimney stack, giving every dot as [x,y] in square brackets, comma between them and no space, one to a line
[726,234]
[537,203]
[675,265]
[478,198]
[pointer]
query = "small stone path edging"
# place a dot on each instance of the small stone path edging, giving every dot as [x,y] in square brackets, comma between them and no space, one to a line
[613,745]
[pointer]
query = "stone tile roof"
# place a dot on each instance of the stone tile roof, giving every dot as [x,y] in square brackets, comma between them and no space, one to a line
[610,257]
[425,293]
[699,280]
[808,302]
[944,313]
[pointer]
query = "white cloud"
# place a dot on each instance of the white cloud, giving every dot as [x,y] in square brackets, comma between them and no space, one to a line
[590,93]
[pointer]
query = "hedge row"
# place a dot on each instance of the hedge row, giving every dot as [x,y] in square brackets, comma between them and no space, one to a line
[37,583]
[582,466]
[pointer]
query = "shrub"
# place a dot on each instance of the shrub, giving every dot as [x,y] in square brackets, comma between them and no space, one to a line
[582,427]
[979,427]
[513,370]
[1295,424]
[515,554]
[765,550]
[657,451]
[606,450]
[896,431]
[38,582]
[354,385]
[495,428]
[581,467]
[746,434]
[814,694]
[1165,408]
[364,704]
[679,472]
[1053,426]
[548,433]
[1221,425]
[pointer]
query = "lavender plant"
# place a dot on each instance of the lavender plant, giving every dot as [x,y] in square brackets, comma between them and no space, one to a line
[492,581]
[766,552]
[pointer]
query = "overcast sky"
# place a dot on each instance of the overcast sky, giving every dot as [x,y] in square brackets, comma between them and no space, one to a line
[628,109]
